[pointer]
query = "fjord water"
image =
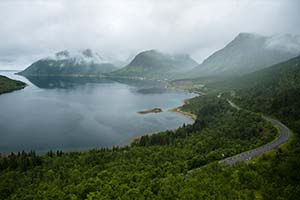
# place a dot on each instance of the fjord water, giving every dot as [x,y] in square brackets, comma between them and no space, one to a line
[73,114]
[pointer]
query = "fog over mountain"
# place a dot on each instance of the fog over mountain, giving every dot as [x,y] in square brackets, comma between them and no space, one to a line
[120,29]
[66,63]
[248,52]
[156,65]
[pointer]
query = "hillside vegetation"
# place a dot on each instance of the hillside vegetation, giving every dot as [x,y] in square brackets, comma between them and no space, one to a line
[274,90]
[8,85]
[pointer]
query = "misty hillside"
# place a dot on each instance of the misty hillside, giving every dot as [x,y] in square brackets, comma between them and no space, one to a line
[66,63]
[248,53]
[276,78]
[154,64]
[274,90]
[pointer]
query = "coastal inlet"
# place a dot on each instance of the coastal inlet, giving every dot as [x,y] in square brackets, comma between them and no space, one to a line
[71,114]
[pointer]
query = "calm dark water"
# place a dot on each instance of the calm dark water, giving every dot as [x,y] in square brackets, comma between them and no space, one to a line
[80,113]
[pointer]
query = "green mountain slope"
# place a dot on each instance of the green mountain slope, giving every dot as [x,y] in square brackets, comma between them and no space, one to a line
[8,85]
[248,53]
[274,90]
[274,78]
[65,63]
[156,65]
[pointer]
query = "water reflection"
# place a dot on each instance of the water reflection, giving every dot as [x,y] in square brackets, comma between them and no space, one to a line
[139,86]
[49,82]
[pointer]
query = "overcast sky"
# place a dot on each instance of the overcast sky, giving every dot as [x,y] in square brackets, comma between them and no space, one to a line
[118,29]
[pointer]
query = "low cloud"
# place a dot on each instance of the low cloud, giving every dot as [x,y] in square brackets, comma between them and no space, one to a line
[118,29]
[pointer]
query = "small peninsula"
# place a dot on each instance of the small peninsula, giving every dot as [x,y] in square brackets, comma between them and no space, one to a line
[9,85]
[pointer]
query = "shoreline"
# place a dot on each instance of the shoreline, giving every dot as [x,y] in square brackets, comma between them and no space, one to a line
[191,119]
[189,115]
[177,110]
[129,142]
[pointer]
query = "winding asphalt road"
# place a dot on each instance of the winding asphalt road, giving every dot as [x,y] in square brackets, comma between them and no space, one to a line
[246,156]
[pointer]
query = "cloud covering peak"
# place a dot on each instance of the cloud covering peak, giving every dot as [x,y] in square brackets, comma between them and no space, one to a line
[118,29]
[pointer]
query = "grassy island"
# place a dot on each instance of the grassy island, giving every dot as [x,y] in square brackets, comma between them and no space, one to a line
[153,110]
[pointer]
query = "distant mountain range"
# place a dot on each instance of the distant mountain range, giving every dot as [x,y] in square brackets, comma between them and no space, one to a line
[156,65]
[248,53]
[67,63]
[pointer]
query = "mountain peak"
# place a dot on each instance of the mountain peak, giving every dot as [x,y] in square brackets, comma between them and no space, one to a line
[84,62]
[154,64]
[87,53]
[246,37]
[81,56]
[62,54]
[150,52]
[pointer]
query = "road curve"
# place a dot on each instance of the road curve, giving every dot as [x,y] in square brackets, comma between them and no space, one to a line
[284,135]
